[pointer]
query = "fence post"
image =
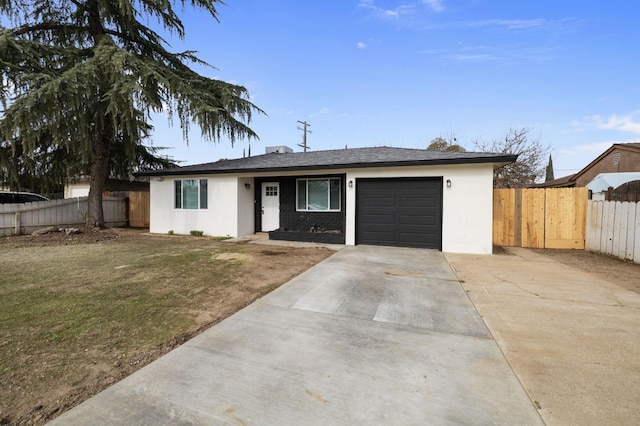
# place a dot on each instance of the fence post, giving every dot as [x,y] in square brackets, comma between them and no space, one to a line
[16,223]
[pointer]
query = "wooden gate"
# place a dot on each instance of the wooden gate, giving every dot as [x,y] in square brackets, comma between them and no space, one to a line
[540,218]
[139,205]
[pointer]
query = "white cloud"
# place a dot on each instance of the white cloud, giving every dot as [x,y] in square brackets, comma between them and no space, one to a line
[435,5]
[466,54]
[594,149]
[629,123]
[511,24]
[362,45]
[473,57]
[321,111]
[574,158]
[387,13]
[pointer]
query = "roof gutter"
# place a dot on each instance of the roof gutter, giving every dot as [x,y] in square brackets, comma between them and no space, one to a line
[498,161]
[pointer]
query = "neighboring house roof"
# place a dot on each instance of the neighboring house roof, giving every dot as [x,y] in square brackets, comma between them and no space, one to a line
[562,182]
[572,180]
[338,159]
[631,147]
[603,181]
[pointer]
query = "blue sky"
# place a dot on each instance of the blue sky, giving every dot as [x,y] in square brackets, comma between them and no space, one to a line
[400,73]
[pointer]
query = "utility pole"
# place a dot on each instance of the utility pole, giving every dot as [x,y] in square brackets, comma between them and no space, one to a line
[304,135]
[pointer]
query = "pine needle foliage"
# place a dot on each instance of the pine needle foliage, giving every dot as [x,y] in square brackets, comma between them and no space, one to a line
[87,74]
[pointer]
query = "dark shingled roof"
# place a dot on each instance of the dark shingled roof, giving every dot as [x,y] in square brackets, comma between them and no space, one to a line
[337,159]
[563,182]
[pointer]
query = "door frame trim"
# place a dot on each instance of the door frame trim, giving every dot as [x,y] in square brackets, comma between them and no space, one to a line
[263,185]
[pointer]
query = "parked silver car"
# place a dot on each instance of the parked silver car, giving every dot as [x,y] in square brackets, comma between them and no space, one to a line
[8,197]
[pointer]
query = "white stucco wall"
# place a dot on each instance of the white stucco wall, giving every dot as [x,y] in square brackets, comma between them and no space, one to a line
[246,206]
[467,206]
[79,189]
[226,194]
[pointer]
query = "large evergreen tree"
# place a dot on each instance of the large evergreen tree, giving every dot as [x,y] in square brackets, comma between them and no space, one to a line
[45,169]
[87,74]
[40,170]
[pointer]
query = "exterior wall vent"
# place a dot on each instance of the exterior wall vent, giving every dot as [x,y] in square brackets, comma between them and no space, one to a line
[616,157]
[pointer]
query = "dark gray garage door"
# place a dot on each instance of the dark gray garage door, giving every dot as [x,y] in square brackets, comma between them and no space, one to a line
[399,212]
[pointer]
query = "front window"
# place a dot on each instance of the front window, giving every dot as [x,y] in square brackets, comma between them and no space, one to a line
[191,194]
[318,194]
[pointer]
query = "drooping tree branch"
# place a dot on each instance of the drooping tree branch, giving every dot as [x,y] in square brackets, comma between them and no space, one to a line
[89,74]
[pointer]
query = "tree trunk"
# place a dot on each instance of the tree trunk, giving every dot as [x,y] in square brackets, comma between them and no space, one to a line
[99,170]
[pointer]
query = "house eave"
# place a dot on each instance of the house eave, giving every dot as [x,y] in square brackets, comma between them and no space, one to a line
[497,161]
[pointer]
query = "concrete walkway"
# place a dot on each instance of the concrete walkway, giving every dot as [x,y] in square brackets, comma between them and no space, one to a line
[371,335]
[572,338]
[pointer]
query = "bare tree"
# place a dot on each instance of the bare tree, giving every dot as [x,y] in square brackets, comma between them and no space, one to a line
[530,165]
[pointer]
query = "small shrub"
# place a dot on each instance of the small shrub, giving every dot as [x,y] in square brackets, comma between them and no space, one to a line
[170,232]
[196,233]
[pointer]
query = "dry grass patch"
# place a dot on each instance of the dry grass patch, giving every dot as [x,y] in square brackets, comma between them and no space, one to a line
[620,272]
[77,315]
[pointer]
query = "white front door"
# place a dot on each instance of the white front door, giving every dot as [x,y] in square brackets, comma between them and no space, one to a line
[270,206]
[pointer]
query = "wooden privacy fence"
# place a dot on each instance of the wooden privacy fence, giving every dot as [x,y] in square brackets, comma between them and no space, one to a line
[613,228]
[540,217]
[24,218]
[629,191]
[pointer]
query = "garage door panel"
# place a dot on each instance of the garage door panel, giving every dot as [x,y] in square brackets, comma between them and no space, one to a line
[412,189]
[419,202]
[416,220]
[414,202]
[416,210]
[380,202]
[399,212]
[413,184]
[378,236]
[377,219]
[422,231]
[416,239]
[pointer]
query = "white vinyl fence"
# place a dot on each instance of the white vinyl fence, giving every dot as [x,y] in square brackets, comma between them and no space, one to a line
[24,218]
[613,228]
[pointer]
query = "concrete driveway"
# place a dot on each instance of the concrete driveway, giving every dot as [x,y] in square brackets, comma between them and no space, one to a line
[372,335]
[572,338]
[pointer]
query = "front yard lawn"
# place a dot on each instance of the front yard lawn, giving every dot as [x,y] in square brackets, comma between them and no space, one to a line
[78,314]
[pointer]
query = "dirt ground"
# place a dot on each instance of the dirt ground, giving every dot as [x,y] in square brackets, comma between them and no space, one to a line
[50,383]
[567,322]
[624,274]
[34,394]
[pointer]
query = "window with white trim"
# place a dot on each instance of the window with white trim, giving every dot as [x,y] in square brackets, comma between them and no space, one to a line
[318,194]
[191,194]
